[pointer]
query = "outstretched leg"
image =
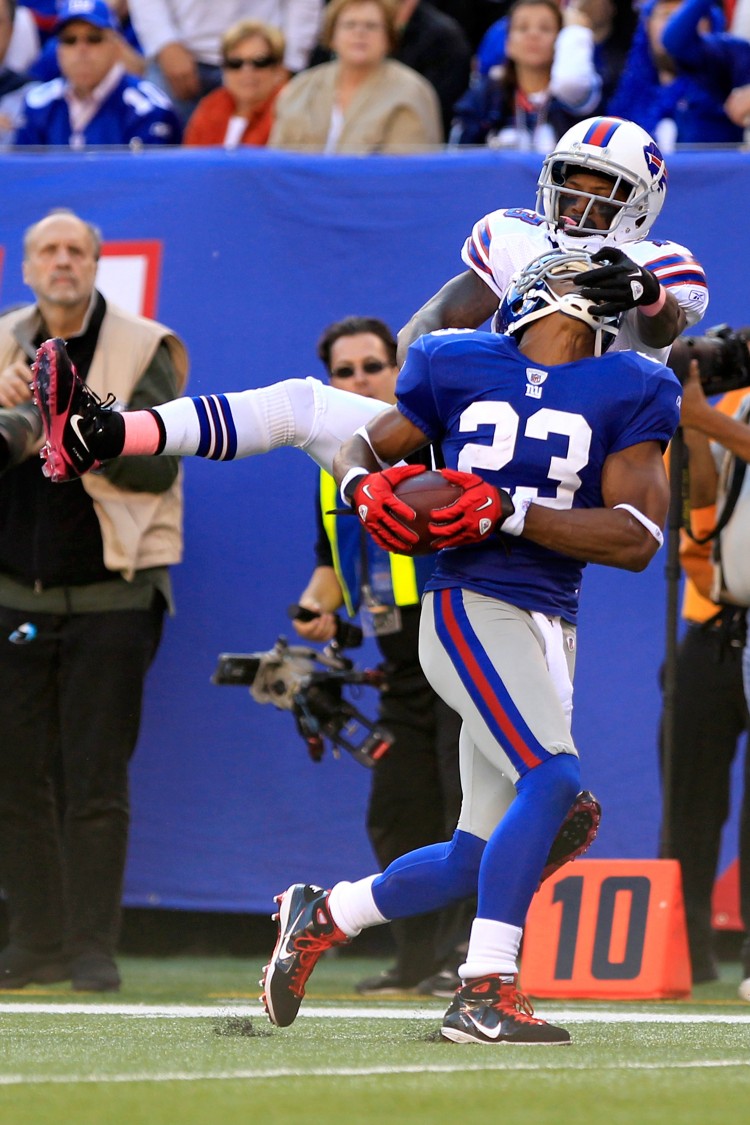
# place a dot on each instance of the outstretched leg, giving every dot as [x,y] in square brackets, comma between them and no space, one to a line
[81,432]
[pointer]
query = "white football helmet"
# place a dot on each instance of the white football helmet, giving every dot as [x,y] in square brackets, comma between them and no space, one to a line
[530,296]
[613,147]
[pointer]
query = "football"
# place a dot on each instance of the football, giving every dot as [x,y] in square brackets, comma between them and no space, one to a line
[424,493]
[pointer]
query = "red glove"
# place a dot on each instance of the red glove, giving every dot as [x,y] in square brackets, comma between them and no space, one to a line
[478,512]
[381,512]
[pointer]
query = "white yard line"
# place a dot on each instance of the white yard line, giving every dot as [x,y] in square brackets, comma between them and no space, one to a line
[198,1011]
[543,1066]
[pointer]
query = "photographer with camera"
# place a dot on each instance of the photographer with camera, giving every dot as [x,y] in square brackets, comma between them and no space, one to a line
[711,713]
[415,795]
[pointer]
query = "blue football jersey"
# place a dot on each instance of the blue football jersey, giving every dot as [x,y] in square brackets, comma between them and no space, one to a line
[538,432]
[132,111]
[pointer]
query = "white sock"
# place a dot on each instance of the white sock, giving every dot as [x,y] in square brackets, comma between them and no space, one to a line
[353,908]
[324,417]
[303,413]
[493,948]
[261,419]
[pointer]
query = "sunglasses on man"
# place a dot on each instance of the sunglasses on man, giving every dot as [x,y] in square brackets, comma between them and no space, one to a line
[370,367]
[92,38]
[255,64]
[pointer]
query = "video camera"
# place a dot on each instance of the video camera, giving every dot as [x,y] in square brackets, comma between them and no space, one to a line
[310,684]
[723,358]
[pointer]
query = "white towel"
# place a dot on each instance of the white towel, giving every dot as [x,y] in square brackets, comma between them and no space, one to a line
[557,665]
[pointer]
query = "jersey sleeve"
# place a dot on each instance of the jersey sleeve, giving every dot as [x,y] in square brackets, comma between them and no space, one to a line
[502,243]
[476,252]
[656,414]
[153,120]
[682,276]
[415,392]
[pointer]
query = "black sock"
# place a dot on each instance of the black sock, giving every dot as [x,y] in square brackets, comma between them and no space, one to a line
[107,435]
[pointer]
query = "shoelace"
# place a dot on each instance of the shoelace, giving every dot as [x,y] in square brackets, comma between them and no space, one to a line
[101,404]
[512,1002]
[308,947]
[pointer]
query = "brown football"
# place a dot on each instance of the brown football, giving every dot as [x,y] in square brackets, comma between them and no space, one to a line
[424,493]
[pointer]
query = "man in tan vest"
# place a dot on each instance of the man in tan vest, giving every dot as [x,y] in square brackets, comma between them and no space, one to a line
[84,583]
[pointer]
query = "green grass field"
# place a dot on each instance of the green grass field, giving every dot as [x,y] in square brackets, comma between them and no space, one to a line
[186,1043]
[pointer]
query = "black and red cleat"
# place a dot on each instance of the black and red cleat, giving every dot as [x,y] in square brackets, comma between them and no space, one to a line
[306,931]
[577,833]
[490,1009]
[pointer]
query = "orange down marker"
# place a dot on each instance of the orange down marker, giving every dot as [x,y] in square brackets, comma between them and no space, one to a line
[608,929]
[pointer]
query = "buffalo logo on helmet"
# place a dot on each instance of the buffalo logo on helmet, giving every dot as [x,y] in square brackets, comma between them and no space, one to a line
[655,164]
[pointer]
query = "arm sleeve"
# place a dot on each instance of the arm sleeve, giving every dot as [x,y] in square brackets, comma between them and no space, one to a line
[301,26]
[415,392]
[412,126]
[575,81]
[27,132]
[681,38]
[153,24]
[158,384]
[740,25]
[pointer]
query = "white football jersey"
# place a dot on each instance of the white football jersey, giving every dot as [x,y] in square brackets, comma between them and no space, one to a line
[505,241]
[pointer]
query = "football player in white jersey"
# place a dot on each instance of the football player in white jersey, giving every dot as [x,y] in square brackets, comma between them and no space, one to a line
[600,189]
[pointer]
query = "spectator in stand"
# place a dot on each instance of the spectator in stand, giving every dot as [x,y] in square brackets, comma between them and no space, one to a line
[721,63]
[12,82]
[16,52]
[240,112]
[737,105]
[434,45]
[740,21]
[95,102]
[612,29]
[546,85]
[182,39]
[25,42]
[677,104]
[474,16]
[47,66]
[363,102]
[44,13]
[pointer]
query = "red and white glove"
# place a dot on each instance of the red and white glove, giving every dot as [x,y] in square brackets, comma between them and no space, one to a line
[381,512]
[477,513]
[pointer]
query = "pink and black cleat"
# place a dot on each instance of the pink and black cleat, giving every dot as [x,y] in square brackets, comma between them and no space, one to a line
[69,413]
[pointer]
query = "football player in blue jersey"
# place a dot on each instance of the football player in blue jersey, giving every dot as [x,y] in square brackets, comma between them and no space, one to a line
[558,450]
[600,189]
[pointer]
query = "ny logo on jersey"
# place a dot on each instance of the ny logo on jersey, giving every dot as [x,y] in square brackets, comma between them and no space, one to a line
[535,378]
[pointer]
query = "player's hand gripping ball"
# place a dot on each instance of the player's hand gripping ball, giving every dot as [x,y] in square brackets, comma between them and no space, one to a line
[414,511]
[476,513]
[387,518]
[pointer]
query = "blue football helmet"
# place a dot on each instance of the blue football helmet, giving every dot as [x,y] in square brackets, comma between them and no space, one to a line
[530,296]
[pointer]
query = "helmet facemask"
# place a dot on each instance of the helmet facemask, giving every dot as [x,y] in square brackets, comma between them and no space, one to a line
[627,157]
[530,296]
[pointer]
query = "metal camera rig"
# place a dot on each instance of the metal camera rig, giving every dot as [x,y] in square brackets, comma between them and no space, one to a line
[311,685]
